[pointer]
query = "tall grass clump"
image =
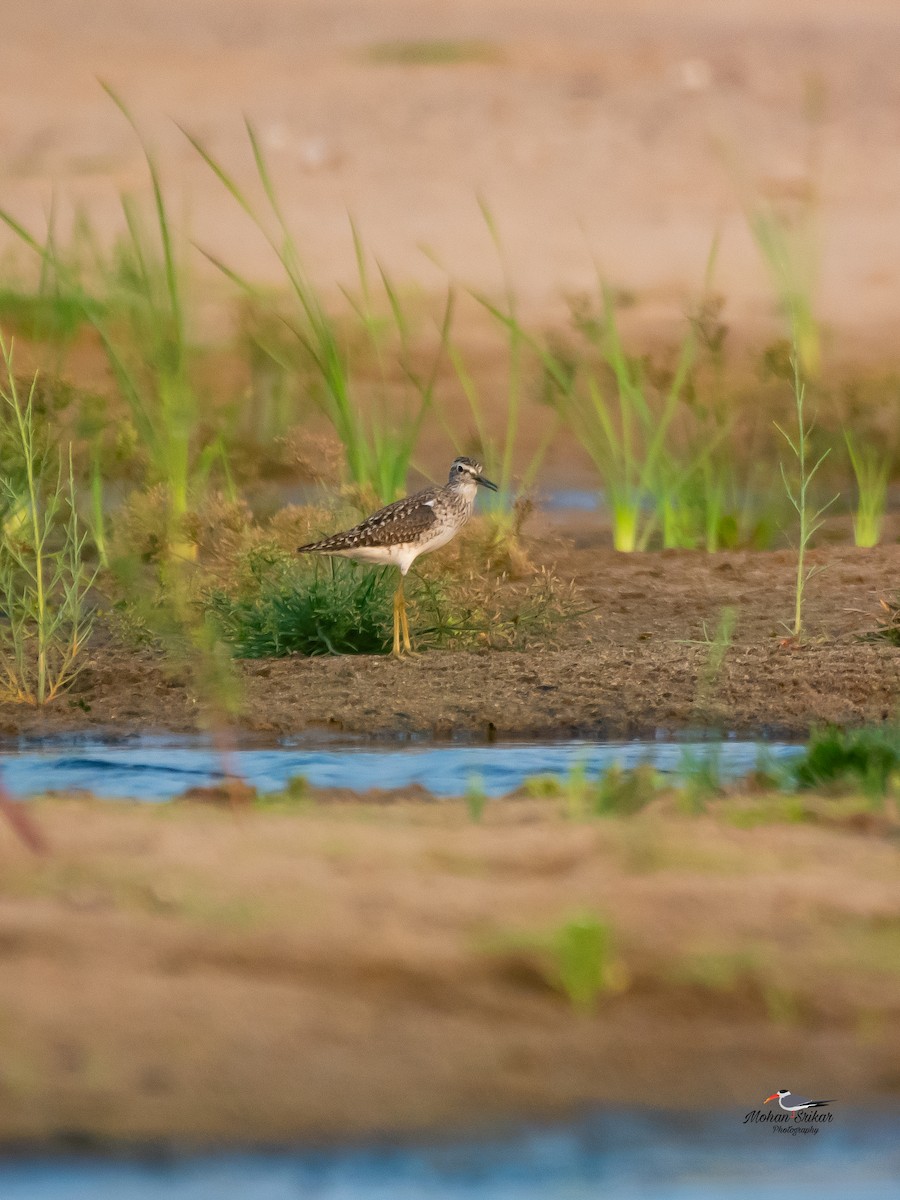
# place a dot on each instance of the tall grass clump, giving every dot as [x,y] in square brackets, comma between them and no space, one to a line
[152,356]
[378,435]
[700,501]
[501,449]
[44,582]
[625,423]
[659,452]
[798,491]
[871,470]
[143,327]
[63,301]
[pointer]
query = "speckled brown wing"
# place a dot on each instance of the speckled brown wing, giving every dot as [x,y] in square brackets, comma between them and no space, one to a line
[407,520]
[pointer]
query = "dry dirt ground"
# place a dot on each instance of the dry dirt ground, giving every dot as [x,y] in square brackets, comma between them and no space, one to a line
[626,131]
[635,664]
[191,975]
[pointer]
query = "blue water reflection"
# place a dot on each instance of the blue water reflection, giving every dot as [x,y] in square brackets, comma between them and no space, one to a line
[620,1156]
[151,771]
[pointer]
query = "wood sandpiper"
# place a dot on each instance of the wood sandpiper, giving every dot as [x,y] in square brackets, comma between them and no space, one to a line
[395,536]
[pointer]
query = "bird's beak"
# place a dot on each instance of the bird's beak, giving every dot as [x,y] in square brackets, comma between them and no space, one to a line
[774,1096]
[486,483]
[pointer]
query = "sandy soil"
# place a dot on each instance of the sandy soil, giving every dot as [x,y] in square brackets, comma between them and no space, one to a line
[637,663]
[623,131]
[189,974]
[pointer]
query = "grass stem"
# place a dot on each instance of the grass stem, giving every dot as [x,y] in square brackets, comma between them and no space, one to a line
[810,519]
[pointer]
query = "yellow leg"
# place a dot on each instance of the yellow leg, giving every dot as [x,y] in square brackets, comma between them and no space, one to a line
[396,650]
[401,625]
[404,624]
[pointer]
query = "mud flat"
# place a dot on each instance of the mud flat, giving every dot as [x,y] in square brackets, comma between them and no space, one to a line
[636,663]
[192,974]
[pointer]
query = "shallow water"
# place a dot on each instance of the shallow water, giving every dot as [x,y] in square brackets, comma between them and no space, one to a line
[151,770]
[617,1156]
[565,500]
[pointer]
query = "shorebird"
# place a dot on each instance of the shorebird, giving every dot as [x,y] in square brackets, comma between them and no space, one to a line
[395,536]
[794,1104]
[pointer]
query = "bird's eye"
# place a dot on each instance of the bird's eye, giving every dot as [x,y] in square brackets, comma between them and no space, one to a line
[459,468]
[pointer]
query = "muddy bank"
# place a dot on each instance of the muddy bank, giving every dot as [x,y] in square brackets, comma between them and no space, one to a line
[638,662]
[196,974]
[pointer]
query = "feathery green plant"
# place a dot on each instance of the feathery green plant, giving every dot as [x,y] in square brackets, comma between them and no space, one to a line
[718,646]
[44,583]
[798,494]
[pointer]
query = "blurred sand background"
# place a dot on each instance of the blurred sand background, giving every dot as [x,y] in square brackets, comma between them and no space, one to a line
[595,129]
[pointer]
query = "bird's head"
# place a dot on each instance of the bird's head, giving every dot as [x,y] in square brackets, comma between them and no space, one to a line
[466,472]
[780,1094]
